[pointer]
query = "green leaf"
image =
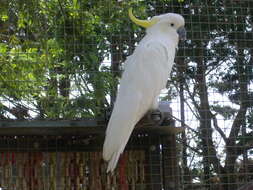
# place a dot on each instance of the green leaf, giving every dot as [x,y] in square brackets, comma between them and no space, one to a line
[4,17]
[21,20]
[3,48]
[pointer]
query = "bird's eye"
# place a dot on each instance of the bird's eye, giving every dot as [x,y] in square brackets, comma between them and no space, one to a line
[172,24]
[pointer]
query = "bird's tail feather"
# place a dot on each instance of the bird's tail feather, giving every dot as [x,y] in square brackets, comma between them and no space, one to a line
[113,162]
[123,119]
[114,145]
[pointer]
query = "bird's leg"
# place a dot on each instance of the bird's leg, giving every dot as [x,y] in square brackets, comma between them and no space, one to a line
[155,115]
[155,104]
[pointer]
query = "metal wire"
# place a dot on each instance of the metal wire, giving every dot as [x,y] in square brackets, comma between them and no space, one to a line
[63,59]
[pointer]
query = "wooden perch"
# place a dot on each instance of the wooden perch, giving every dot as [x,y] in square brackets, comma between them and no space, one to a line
[76,127]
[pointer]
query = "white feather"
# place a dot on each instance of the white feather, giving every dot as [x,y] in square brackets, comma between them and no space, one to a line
[146,73]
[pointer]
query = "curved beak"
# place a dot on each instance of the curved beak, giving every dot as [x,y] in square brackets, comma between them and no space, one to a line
[181,33]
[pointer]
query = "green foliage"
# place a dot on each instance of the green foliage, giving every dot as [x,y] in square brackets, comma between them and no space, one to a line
[62,60]
[53,55]
[226,111]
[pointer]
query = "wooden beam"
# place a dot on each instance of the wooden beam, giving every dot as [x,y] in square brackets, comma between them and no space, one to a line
[73,127]
[57,127]
[51,123]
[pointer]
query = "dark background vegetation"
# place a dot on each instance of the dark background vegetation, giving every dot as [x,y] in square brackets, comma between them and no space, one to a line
[62,59]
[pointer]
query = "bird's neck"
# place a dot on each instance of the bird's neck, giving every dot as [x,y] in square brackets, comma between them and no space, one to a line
[163,37]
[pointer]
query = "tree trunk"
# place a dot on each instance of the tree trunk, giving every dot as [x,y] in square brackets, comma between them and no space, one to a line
[187,178]
[205,121]
[209,153]
[237,124]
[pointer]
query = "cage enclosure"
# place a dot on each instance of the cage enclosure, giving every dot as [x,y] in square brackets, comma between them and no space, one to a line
[67,155]
[60,67]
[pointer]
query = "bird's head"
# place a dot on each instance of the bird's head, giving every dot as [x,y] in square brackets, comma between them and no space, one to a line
[169,23]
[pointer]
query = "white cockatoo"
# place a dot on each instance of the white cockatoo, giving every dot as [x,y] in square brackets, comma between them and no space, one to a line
[145,75]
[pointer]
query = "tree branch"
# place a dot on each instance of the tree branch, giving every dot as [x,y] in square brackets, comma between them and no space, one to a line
[218,129]
[192,148]
[187,126]
[245,144]
[191,97]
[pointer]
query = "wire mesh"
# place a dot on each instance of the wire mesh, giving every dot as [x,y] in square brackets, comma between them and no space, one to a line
[62,59]
[75,162]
